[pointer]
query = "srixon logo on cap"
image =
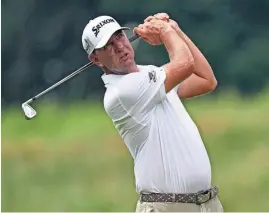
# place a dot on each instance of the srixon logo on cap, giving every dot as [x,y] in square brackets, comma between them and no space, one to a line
[96,29]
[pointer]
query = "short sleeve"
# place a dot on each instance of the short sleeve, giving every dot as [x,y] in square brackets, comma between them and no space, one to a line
[143,90]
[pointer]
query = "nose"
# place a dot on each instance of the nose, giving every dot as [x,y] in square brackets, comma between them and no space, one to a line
[118,46]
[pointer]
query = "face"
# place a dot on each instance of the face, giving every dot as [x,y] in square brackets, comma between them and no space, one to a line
[116,55]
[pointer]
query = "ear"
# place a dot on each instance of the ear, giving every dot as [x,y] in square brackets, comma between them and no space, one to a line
[93,57]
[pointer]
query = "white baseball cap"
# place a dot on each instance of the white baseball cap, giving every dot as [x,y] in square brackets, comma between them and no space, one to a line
[98,31]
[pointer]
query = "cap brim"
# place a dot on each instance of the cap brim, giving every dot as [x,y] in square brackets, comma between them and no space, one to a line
[105,39]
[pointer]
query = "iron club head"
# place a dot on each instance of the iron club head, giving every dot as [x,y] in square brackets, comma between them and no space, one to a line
[29,112]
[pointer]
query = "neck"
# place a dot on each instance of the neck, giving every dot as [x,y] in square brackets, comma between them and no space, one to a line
[130,69]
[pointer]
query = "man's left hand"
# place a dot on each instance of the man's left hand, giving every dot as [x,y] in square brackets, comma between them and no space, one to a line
[163,17]
[151,31]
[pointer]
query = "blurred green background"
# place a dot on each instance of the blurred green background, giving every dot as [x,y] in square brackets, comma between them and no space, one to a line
[70,157]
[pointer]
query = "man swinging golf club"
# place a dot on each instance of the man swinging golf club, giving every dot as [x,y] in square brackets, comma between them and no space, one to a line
[171,165]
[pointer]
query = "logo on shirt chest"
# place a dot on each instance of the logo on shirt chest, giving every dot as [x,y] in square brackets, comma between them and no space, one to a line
[152,76]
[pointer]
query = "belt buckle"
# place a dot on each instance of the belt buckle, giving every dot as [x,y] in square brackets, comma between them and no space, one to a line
[203,196]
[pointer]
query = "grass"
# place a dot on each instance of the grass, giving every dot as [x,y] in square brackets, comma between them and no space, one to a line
[72,159]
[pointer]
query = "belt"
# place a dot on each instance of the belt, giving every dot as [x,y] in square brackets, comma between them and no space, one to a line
[198,198]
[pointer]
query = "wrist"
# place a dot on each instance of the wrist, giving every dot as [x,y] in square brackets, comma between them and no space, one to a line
[178,30]
[166,31]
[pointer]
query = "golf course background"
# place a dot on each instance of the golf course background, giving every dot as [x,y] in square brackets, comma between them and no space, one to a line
[70,157]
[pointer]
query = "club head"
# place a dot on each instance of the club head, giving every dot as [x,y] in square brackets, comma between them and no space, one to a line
[29,112]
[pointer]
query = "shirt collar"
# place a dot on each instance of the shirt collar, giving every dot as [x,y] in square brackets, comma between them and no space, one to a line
[110,78]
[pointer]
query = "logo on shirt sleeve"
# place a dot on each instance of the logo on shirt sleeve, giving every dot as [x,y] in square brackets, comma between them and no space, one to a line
[152,76]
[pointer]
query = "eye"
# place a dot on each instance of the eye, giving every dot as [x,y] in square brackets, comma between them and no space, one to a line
[107,46]
[120,35]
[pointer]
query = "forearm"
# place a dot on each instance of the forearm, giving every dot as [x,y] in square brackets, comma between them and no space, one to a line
[176,47]
[202,80]
[202,67]
[181,64]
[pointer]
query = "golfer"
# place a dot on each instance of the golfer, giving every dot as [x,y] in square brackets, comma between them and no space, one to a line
[171,165]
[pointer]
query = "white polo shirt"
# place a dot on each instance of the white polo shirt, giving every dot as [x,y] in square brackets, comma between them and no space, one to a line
[169,154]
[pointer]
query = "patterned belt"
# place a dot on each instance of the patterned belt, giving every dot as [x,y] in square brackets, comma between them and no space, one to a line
[198,198]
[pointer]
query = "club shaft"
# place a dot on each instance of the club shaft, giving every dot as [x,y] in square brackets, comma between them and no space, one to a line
[131,39]
[134,37]
[64,80]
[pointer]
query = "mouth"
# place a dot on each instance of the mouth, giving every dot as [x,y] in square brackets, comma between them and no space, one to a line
[124,57]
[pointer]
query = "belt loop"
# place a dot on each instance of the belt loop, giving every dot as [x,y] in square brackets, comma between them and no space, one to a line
[173,197]
[140,198]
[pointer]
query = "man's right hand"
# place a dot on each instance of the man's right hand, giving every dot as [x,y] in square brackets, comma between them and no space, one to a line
[152,30]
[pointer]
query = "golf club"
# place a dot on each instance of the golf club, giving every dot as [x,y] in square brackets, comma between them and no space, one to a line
[29,111]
